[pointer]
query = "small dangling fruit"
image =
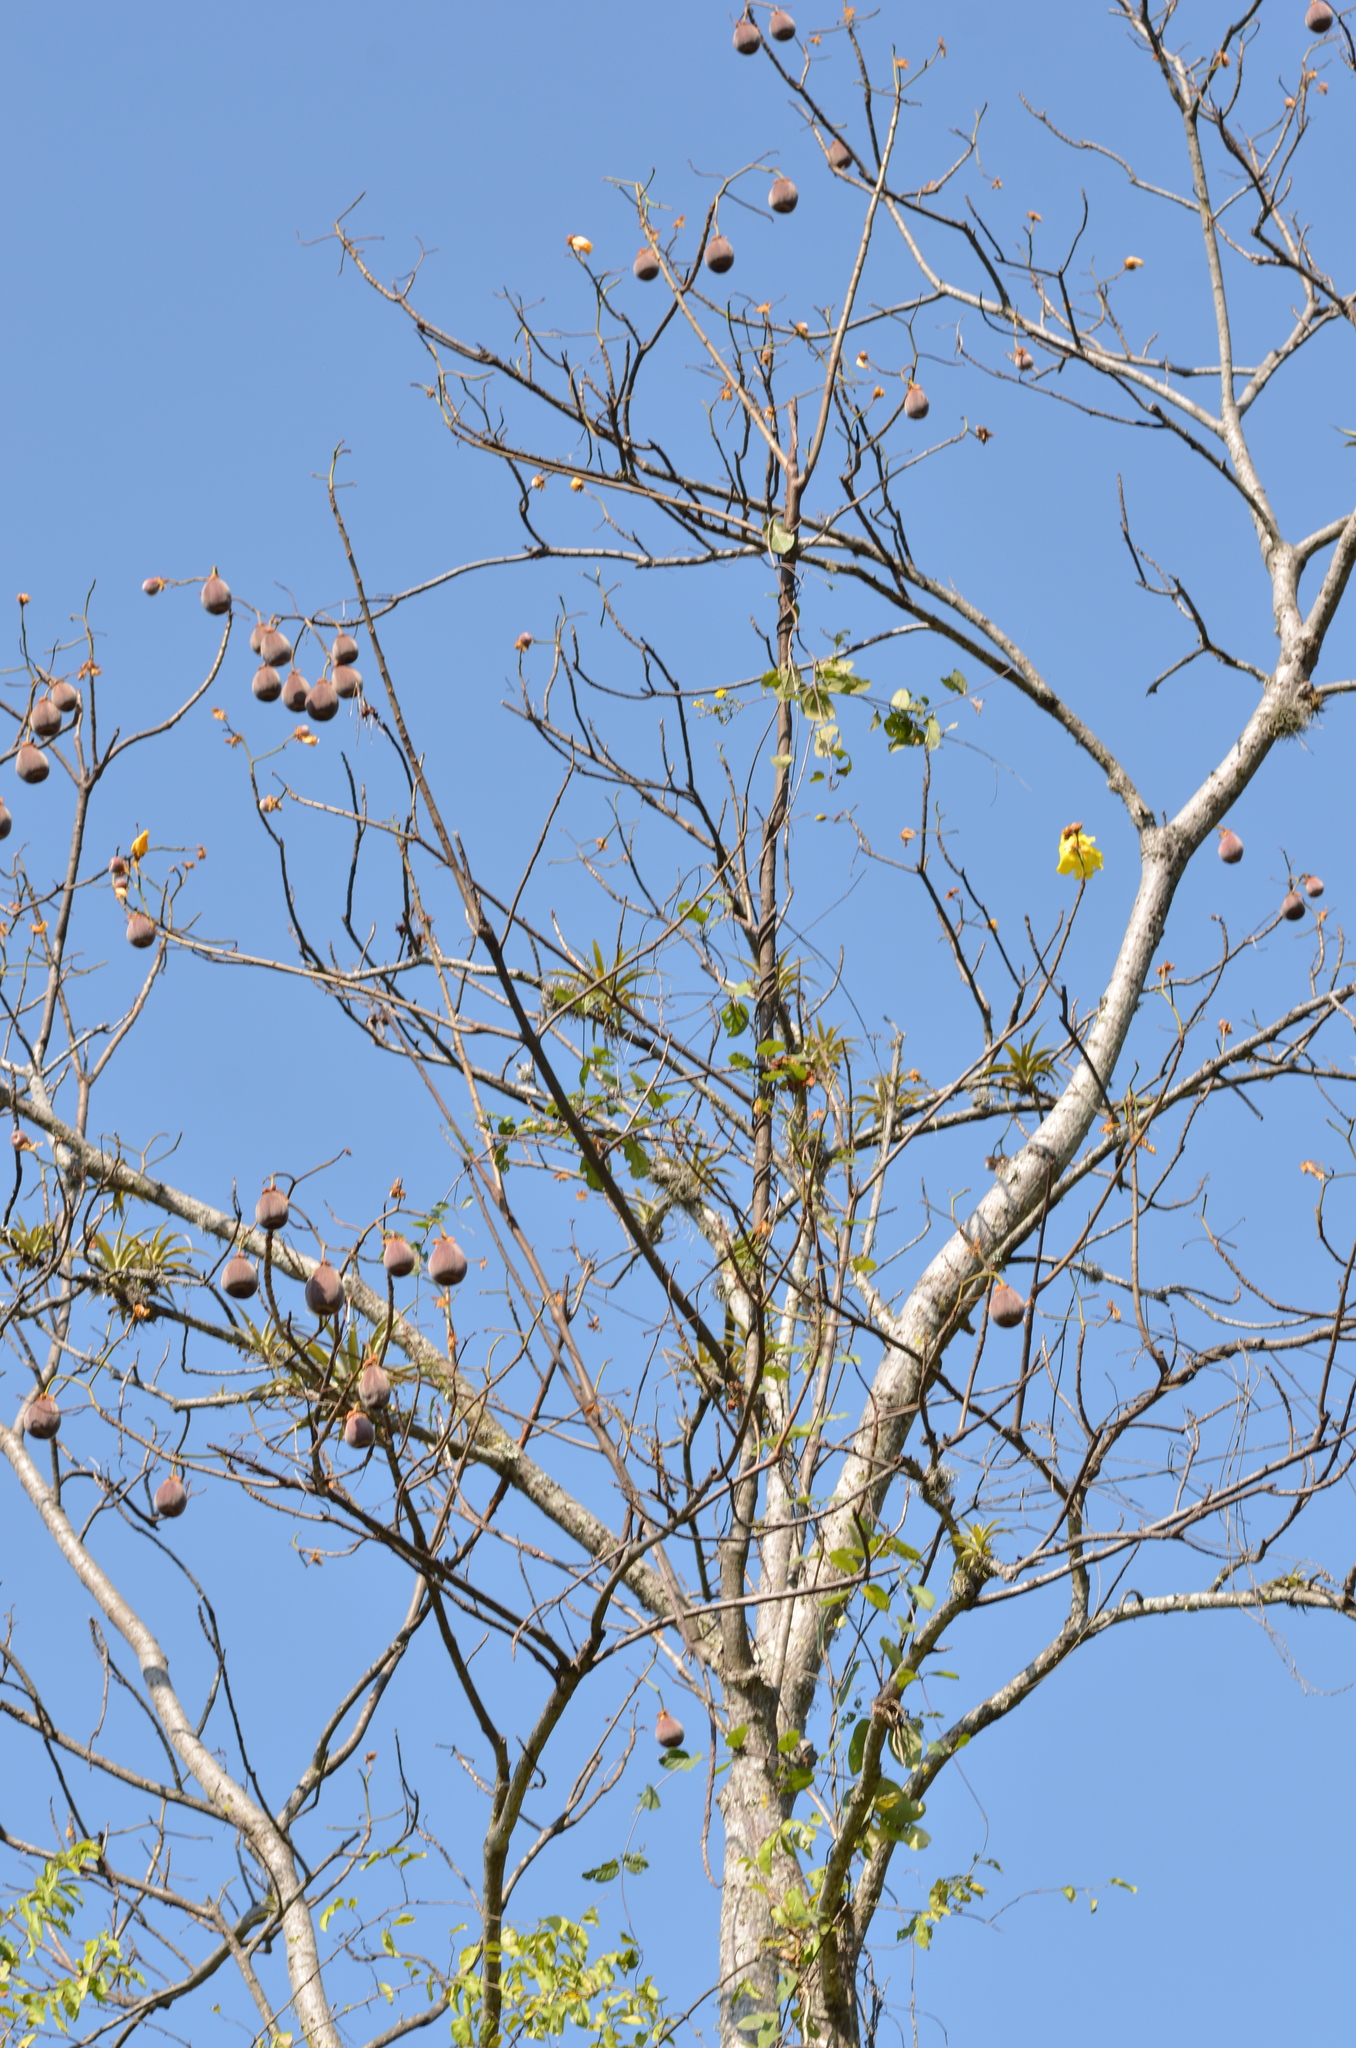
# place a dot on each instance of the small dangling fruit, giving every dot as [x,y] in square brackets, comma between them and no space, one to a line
[840,156]
[1230,847]
[42,1417]
[668,1730]
[171,1498]
[1292,906]
[140,931]
[117,867]
[257,632]
[239,1278]
[322,701]
[1006,1307]
[1023,358]
[324,1291]
[6,820]
[65,696]
[31,764]
[347,681]
[295,690]
[45,719]
[153,585]
[746,38]
[267,684]
[359,1433]
[719,255]
[781,28]
[216,595]
[398,1257]
[274,647]
[343,650]
[646,266]
[374,1384]
[783,198]
[270,1211]
[1318,17]
[915,403]
[447,1263]
[1313,885]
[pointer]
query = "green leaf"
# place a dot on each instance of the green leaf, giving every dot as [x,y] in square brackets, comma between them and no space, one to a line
[846,1560]
[604,1873]
[649,1799]
[1069,1892]
[736,1738]
[633,1863]
[1124,1884]
[955,681]
[780,538]
[924,1597]
[857,1746]
[735,1018]
[878,1597]
[786,1743]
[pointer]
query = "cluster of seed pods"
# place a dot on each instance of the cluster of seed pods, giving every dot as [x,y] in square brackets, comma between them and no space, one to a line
[46,716]
[1292,903]
[319,700]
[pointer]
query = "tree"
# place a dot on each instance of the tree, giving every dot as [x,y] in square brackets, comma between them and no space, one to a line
[732,1422]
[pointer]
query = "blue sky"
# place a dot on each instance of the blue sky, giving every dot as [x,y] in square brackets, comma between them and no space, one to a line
[181,355]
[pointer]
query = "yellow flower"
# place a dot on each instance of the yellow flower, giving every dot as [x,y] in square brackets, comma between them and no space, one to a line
[581,244]
[1078,853]
[140,844]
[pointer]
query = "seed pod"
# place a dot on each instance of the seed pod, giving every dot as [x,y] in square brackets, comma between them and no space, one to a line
[153,585]
[374,1384]
[781,28]
[1023,358]
[117,867]
[140,931]
[270,1211]
[343,650]
[1318,17]
[239,1279]
[359,1434]
[322,701]
[45,719]
[646,266]
[31,764]
[1292,906]
[216,595]
[295,690]
[783,197]
[171,1498]
[267,684]
[257,632]
[42,1417]
[1006,1307]
[1230,847]
[915,403]
[668,1731]
[274,647]
[719,255]
[747,39]
[1313,885]
[398,1258]
[840,156]
[65,696]
[347,681]
[324,1291]
[447,1263]
[6,820]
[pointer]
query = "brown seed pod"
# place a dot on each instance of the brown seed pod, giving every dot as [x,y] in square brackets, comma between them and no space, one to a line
[840,156]
[274,647]
[347,681]
[783,198]
[31,764]
[447,1263]
[1023,358]
[171,1498]
[1318,17]
[398,1258]
[270,1211]
[324,1291]
[257,632]
[153,585]
[1230,847]
[915,403]
[781,28]
[140,931]
[747,40]
[343,650]
[1292,906]
[1006,1307]
[45,719]
[668,1730]
[239,1278]
[6,820]
[1313,885]
[295,690]
[646,266]
[42,1417]
[719,255]
[267,684]
[117,867]
[65,696]
[359,1433]
[216,595]
[374,1384]
[322,701]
